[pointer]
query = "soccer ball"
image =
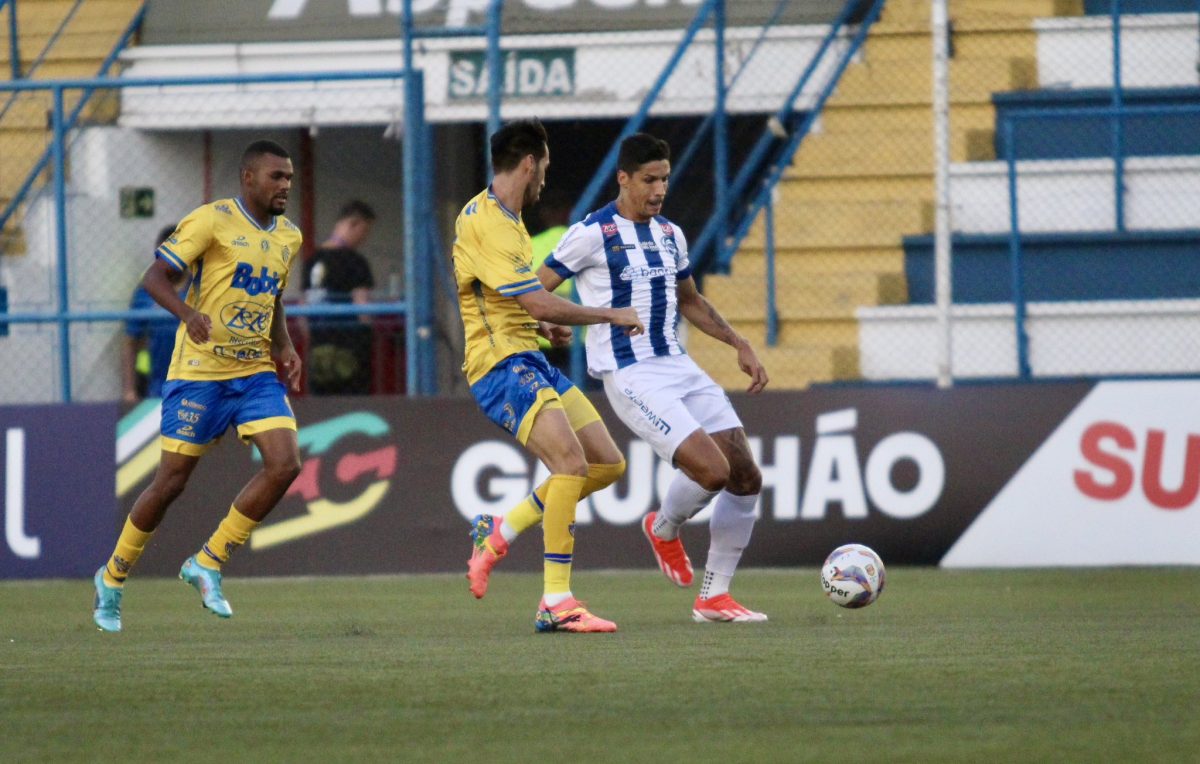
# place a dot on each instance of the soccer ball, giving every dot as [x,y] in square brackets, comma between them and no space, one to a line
[852,576]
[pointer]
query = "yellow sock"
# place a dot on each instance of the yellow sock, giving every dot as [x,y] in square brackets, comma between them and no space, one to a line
[529,512]
[129,548]
[558,528]
[233,531]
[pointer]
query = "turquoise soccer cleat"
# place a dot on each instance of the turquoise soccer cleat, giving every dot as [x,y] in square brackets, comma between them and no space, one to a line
[208,583]
[106,609]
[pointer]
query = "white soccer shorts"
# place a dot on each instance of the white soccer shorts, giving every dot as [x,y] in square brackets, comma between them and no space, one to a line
[664,399]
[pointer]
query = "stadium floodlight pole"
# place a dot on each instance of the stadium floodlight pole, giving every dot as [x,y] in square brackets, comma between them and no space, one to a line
[939,18]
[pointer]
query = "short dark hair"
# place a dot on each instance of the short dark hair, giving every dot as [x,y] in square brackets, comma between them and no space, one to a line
[357,208]
[640,148]
[517,140]
[257,149]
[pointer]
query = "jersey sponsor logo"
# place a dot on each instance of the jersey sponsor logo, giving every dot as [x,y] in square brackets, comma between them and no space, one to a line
[188,416]
[648,246]
[223,208]
[239,242]
[608,229]
[193,405]
[471,208]
[667,229]
[186,431]
[263,283]
[289,225]
[239,353]
[645,272]
[246,319]
[654,419]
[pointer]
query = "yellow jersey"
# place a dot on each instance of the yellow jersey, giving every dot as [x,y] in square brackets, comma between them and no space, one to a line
[493,263]
[238,268]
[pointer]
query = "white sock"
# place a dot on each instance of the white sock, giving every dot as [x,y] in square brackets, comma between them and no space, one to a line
[685,497]
[554,599]
[508,533]
[729,529]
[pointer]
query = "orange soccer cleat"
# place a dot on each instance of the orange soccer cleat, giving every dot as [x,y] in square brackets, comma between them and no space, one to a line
[724,609]
[488,548]
[570,615]
[671,557]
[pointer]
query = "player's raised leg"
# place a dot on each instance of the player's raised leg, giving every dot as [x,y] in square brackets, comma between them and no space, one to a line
[169,480]
[281,464]
[491,536]
[703,472]
[730,527]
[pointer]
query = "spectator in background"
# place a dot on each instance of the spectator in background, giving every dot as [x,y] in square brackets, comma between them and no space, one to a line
[147,344]
[554,212]
[339,355]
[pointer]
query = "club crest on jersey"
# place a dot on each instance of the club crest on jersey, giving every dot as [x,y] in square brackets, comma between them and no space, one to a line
[266,246]
[263,283]
[608,229]
[669,247]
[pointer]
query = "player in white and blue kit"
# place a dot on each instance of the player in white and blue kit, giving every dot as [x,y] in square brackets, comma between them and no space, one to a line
[628,254]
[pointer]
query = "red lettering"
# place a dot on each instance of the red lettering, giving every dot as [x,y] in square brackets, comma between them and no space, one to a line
[1152,473]
[1121,470]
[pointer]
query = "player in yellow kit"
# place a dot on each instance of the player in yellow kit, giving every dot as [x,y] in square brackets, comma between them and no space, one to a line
[239,252]
[504,307]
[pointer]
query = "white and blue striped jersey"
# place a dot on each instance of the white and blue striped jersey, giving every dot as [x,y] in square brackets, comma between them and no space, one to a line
[617,263]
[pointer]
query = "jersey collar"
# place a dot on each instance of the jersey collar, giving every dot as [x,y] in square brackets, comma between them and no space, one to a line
[238,201]
[512,215]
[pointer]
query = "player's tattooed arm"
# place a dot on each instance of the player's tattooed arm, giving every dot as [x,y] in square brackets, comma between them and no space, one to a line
[703,315]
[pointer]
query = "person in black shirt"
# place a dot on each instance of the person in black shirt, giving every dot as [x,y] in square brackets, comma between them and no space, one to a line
[340,351]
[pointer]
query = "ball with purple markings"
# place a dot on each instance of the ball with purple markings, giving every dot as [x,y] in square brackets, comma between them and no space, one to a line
[852,576]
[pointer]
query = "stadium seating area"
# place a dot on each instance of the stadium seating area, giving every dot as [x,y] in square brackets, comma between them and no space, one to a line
[57,39]
[854,250]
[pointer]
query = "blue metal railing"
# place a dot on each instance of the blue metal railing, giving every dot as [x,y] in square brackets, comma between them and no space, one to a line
[14,44]
[708,244]
[40,165]
[1008,129]
[422,240]
[61,123]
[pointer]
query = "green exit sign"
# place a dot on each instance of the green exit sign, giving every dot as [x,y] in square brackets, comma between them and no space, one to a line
[137,202]
[527,73]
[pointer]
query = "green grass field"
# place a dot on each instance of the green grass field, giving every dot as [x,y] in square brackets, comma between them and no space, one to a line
[947,666]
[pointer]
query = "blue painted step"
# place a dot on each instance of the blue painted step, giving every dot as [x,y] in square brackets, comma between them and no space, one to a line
[1145,265]
[1104,7]
[1078,137]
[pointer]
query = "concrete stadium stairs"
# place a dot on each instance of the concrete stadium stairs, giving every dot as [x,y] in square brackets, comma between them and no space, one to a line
[85,40]
[863,181]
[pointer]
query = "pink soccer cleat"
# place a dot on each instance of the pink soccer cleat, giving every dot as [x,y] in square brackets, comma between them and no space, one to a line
[724,609]
[570,615]
[488,548]
[671,557]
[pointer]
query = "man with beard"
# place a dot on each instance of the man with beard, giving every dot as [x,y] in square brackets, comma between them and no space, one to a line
[238,253]
[504,308]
